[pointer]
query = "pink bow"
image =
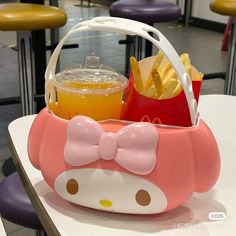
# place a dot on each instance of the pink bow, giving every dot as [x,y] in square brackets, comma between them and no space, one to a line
[133,147]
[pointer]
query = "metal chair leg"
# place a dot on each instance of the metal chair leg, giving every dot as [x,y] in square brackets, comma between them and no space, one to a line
[26,71]
[230,81]
[40,232]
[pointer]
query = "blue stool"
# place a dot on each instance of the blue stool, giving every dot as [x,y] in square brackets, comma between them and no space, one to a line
[146,11]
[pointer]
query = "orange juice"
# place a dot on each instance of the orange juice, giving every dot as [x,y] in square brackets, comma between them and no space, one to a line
[98,96]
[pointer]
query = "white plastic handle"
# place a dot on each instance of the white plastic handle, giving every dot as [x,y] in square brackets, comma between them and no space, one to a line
[130,27]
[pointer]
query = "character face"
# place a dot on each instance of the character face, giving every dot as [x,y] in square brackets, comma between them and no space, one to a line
[110,191]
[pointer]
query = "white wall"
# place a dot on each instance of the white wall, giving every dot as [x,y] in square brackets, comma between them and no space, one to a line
[201,9]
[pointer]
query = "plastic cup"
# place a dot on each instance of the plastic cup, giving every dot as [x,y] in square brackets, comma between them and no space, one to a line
[96,93]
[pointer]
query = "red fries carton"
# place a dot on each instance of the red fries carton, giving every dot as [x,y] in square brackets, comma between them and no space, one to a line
[172,111]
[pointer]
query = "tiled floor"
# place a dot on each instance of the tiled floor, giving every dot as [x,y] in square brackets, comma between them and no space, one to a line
[202,45]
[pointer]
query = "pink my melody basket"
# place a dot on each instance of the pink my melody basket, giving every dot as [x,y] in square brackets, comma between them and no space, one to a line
[119,165]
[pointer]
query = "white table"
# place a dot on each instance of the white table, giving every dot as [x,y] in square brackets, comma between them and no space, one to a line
[2,229]
[61,218]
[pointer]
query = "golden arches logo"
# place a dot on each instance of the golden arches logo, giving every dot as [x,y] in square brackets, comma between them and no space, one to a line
[146,118]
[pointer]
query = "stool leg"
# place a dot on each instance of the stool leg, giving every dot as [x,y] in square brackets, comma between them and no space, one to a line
[39,49]
[148,45]
[55,35]
[139,48]
[148,48]
[40,232]
[230,81]
[134,47]
[26,71]
[129,50]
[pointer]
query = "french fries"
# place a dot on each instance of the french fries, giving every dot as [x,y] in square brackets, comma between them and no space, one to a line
[137,74]
[162,81]
[155,66]
[187,63]
[157,82]
[169,87]
[164,69]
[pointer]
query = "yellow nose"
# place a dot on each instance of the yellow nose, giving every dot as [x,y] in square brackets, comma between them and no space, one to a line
[105,203]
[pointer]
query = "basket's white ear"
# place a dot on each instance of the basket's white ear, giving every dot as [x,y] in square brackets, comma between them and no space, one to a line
[206,157]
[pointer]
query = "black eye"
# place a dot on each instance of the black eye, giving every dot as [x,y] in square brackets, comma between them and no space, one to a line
[143,197]
[72,186]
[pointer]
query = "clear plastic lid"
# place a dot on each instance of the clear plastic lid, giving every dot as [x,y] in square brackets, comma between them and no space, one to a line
[91,78]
